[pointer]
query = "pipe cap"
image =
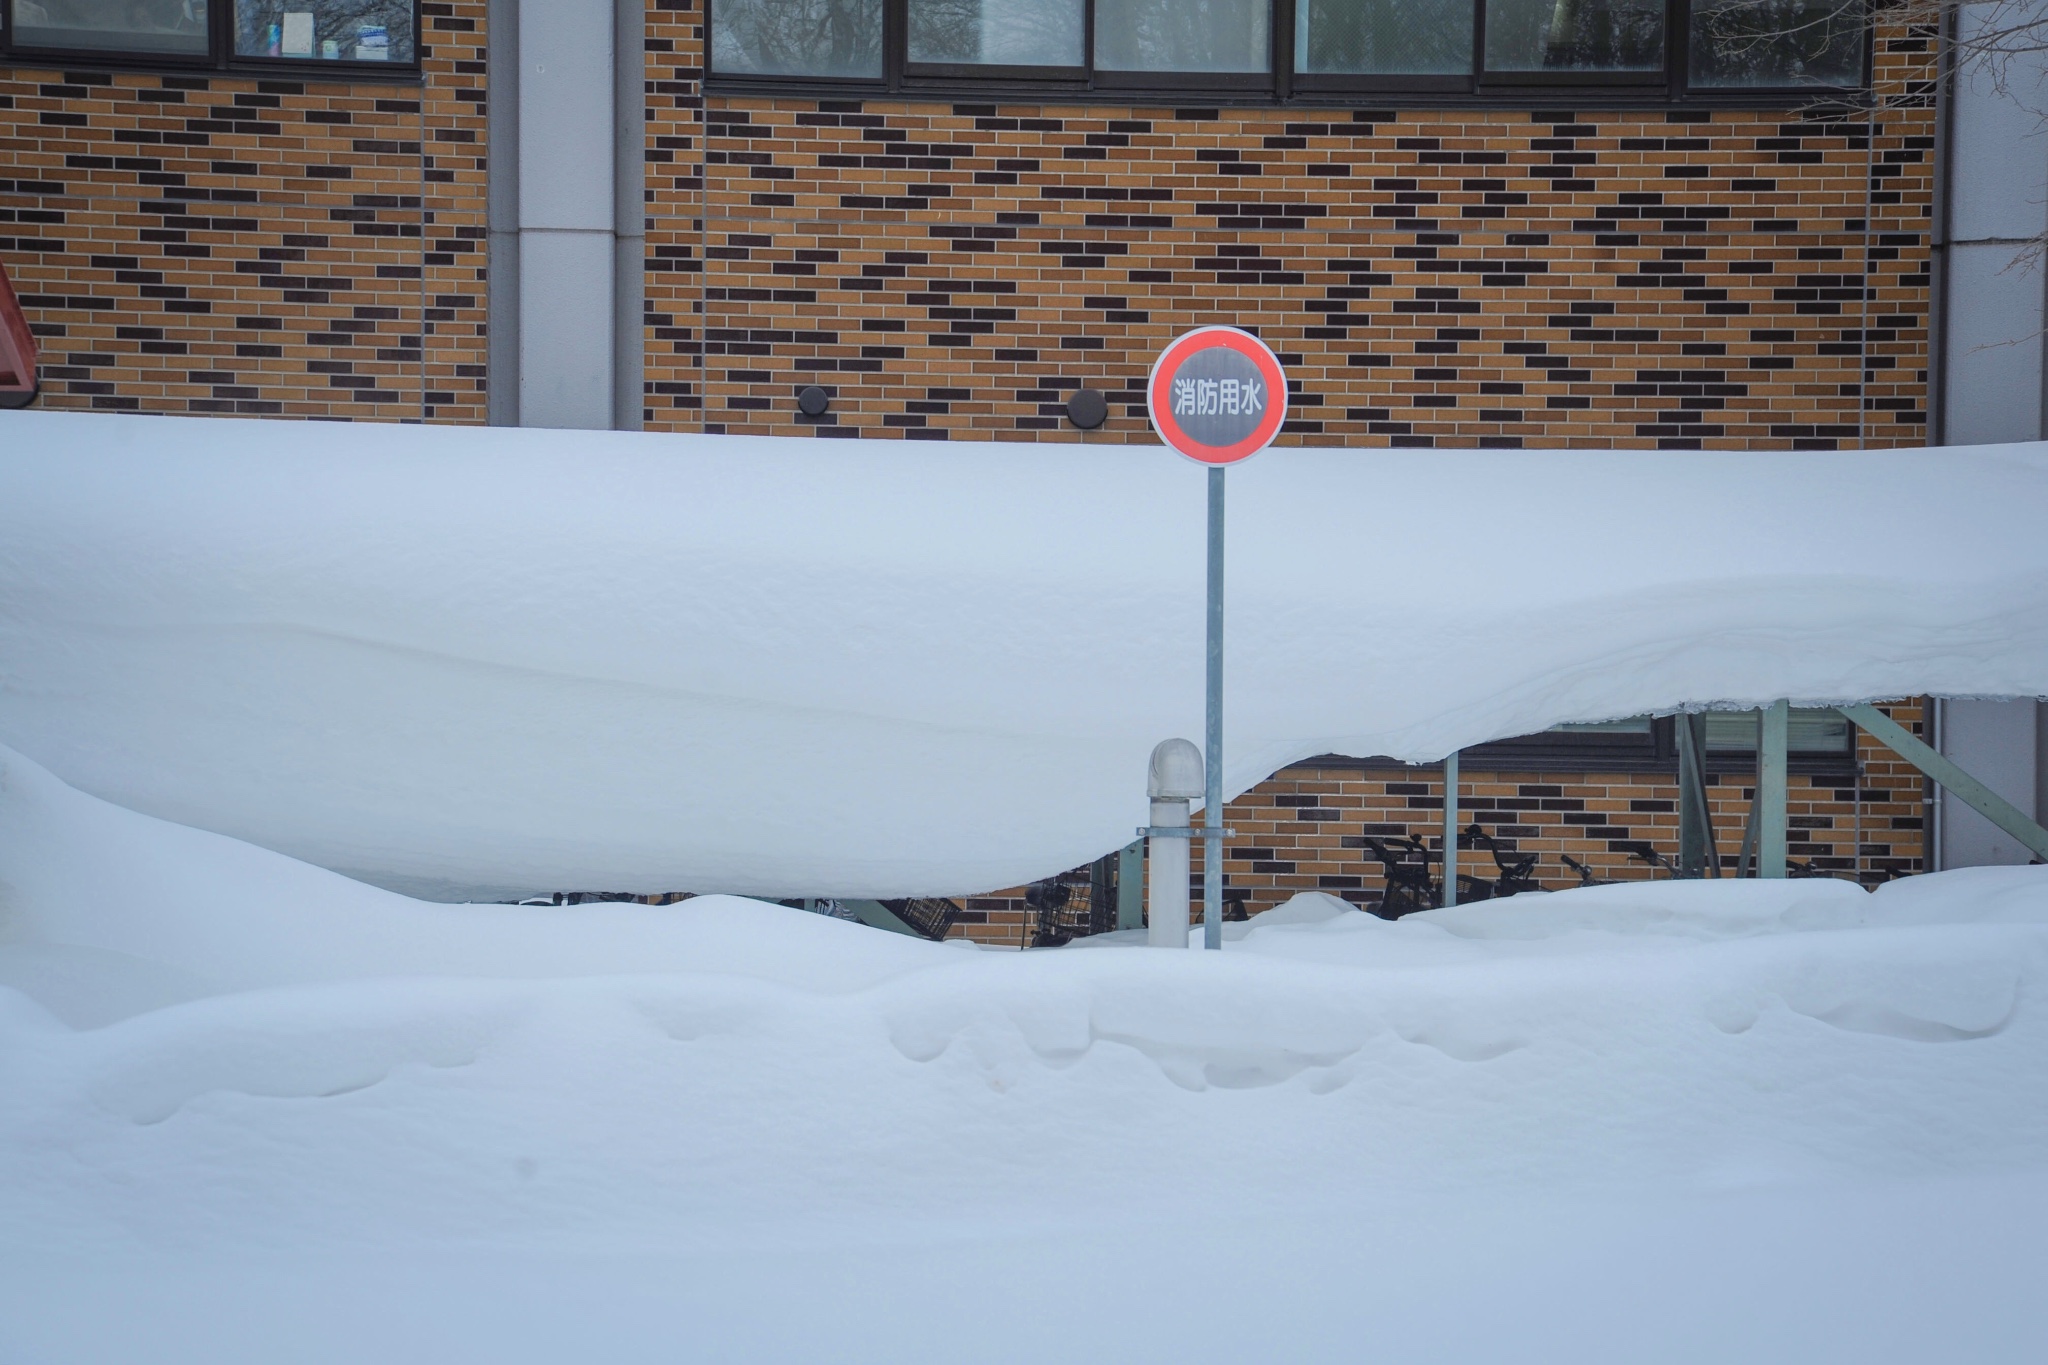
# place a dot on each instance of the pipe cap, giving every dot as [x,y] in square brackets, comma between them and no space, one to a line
[1176,771]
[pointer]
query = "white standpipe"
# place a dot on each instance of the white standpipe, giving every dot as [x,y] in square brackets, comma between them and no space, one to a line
[1166,879]
[1174,779]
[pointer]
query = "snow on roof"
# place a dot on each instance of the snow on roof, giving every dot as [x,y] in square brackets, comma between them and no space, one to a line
[474,661]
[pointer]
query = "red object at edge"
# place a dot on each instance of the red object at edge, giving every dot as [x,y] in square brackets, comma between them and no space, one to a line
[17,349]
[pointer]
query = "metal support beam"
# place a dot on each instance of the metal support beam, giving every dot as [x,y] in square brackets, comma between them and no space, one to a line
[879,916]
[1451,829]
[1745,857]
[1772,744]
[1698,855]
[1130,885]
[1964,787]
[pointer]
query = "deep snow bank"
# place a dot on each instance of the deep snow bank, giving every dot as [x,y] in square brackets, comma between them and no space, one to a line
[256,1112]
[523,660]
[732,1060]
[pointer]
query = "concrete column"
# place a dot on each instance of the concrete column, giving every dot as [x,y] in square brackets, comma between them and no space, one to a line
[501,298]
[565,214]
[1995,202]
[629,212]
[1992,383]
[567,217]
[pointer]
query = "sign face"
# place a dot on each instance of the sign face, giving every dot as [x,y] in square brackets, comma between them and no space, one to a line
[1217,395]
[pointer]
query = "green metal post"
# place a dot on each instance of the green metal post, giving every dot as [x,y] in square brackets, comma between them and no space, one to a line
[1772,742]
[1130,885]
[1696,851]
[1450,896]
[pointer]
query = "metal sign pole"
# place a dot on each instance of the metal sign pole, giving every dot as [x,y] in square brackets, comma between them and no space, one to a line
[1212,748]
[1217,395]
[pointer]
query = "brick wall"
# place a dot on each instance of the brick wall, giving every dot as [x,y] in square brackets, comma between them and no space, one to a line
[1485,276]
[199,244]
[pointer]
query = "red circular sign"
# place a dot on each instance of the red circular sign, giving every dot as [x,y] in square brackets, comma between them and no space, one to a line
[1217,395]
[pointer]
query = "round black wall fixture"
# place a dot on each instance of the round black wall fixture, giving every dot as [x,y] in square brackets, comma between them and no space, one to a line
[1087,409]
[813,401]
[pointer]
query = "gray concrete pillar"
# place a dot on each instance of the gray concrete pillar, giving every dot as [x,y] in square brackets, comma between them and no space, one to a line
[629,213]
[566,219]
[1992,383]
[1995,203]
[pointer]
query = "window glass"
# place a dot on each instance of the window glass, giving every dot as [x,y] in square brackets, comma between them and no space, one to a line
[1776,42]
[169,26]
[1575,35]
[797,37]
[997,32]
[325,30]
[1383,37]
[1819,730]
[1634,725]
[1182,35]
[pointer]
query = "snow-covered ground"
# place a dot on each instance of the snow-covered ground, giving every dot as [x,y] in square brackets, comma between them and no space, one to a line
[253,1112]
[465,660]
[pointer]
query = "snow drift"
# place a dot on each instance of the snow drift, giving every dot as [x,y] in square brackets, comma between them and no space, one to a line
[473,662]
[255,1112]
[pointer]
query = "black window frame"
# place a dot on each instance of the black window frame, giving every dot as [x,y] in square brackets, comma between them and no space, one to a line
[220,57]
[914,74]
[1677,26]
[1280,82]
[1567,751]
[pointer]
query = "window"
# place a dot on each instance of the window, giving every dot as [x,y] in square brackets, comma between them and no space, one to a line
[1737,43]
[1685,48]
[374,34]
[837,39]
[325,30]
[1818,741]
[1020,33]
[1549,37]
[1383,37]
[1812,733]
[1182,35]
[176,27]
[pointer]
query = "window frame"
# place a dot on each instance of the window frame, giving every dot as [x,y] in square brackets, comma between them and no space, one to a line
[1281,82]
[1593,752]
[953,73]
[220,57]
[1677,20]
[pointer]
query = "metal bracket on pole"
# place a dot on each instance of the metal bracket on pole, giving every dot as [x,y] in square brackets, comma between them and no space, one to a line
[1450,896]
[1944,771]
[1130,885]
[1184,832]
[1773,736]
